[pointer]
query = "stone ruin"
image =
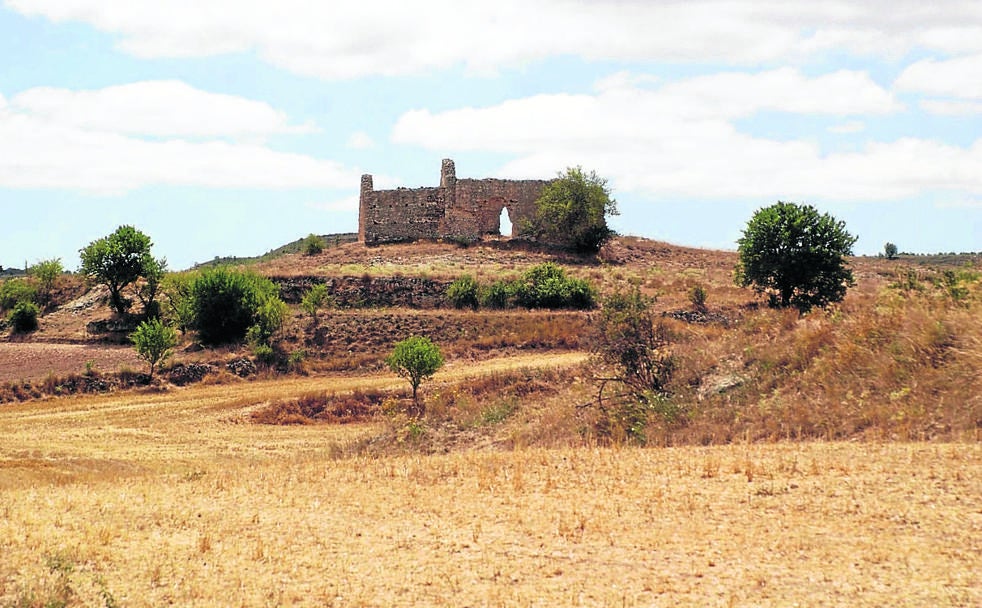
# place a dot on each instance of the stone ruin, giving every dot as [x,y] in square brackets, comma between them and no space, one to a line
[466,209]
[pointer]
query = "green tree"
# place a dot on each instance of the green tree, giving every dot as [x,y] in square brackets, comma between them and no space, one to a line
[117,261]
[154,341]
[315,299]
[46,272]
[796,255]
[416,358]
[890,250]
[572,210]
[228,302]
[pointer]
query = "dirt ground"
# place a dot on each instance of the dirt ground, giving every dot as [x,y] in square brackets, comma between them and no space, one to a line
[35,360]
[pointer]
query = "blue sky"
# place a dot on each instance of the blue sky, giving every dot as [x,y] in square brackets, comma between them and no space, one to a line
[230,128]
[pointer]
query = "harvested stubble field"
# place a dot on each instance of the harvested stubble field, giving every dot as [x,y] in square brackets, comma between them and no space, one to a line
[173,498]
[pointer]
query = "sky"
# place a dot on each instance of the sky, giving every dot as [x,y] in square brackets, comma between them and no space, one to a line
[230,128]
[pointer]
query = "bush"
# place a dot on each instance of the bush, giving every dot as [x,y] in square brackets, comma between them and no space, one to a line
[46,272]
[227,303]
[547,286]
[697,295]
[315,299]
[462,293]
[15,291]
[890,250]
[312,245]
[154,341]
[24,317]
[495,295]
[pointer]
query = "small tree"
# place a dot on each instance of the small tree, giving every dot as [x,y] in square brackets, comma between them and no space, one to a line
[116,261]
[572,210]
[154,341]
[315,299]
[46,272]
[796,255]
[890,250]
[416,358]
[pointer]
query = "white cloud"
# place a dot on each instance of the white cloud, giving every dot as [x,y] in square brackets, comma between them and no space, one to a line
[329,40]
[88,140]
[846,128]
[680,140]
[951,108]
[958,77]
[346,204]
[158,108]
[360,140]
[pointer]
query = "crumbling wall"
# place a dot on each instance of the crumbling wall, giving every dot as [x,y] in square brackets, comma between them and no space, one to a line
[466,208]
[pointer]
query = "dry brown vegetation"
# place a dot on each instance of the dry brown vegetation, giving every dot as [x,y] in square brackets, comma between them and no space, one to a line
[826,459]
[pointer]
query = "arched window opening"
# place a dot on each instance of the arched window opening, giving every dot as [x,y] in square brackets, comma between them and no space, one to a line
[504,223]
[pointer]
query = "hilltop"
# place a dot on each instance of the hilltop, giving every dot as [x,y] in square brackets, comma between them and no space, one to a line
[899,357]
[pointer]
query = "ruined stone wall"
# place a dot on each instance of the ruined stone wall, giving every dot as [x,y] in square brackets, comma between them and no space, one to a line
[466,208]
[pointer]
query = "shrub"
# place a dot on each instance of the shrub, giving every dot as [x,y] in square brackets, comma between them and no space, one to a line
[632,352]
[315,299]
[154,341]
[547,286]
[495,295]
[15,291]
[312,245]
[890,250]
[462,293]
[24,317]
[264,353]
[697,295]
[178,288]
[227,303]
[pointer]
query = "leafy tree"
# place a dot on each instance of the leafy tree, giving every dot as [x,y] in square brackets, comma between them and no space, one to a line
[572,210]
[796,255]
[416,358]
[227,303]
[46,272]
[24,317]
[315,299]
[463,292]
[890,250]
[117,261]
[312,245]
[154,341]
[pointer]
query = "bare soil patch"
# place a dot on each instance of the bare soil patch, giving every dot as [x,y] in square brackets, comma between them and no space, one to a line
[35,360]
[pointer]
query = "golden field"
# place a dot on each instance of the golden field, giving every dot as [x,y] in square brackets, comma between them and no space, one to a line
[176,498]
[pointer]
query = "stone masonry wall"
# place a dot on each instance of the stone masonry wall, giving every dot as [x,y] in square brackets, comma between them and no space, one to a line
[466,208]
